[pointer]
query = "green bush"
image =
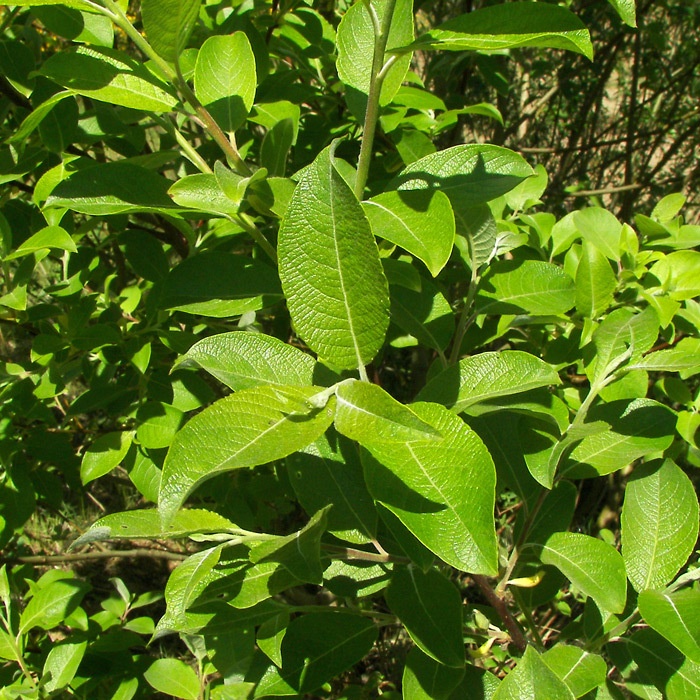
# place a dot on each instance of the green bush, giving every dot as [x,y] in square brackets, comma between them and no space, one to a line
[404,431]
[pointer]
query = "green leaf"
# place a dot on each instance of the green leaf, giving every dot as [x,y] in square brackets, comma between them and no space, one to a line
[250,427]
[270,636]
[158,423]
[634,429]
[595,282]
[299,552]
[173,677]
[355,45]
[593,566]
[579,669]
[62,663]
[421,222]
[168,25]
[225,78]
[469,174]
[487,376]
[329,471]
[683,357]
[49,237]
[532,679]
[366,413]
[426,679]
[146,524]
[330,269]
[627,11]
[202,192]
[105,454]
[34,119]
[112,188]
[442,489]
[677,677]
[525,286]
[243,360]
[659,523]
[675,616]
[85,27]
[430,607]
[316,648]
[78,4]
[601,229]
[510,26]
[110,76]
[51,605]
[220,284]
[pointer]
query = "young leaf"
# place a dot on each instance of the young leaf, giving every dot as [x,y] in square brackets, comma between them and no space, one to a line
[243,360]
[487,376]
[579,669]
[168,25]
[173,677]
[421,222]
[317,647]
[225,78]
[105,454]
[250,427]
[532,679]
[366,413]
[592,565]
[330,269]
[659,523]
[469,175]
[110,76]
[675,616]
[426,679]
[430,607]
[442,489]
[525,286]
[509,26]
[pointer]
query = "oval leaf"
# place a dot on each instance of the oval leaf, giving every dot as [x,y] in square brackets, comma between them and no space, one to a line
[173,677]
[532,679]
[168,25]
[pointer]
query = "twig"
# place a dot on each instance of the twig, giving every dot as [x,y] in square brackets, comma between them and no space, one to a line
[499,605]
[86,556]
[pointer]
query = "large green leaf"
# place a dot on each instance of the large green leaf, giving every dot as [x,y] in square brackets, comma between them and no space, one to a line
[50,605]
[509,26]
[675,616]
[593,566]
[316,648]
[330,269]
[426,679]
[532,679]
[113,188]
[168,25]
[579,669]
[366,413]
[110,76]
[220,285]
[469,174]
[677,677]
[595,282]
[225,78]
[250,427]
[442,489]
[421,222]
[430,607]
[683,357]
[633,429]
[488,376]
[601,229]
[355,45]
[243,360]
[659,523]
[525,286]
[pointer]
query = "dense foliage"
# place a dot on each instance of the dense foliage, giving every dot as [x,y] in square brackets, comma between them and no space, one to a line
[306,392]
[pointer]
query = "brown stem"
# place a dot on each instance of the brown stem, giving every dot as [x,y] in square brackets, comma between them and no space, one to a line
[499,605]
[84,556]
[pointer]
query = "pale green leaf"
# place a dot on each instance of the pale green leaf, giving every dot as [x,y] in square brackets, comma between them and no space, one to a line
[430,607]
[595,282]
[51,605]
[525,286]
[243,360]
[76,25]
[683,357]
[659,523]
[627,11]
[77,4]
[600,228]
[487,376]
[248,428]
[421,222]
[110,76]
[225,78]
[105,454]
[270,635]
[173,677]
[426,679]
[579,669]
[509,26]
[442,489]
[330,269]
[593,566]
[532,679]
[168,25]
[48,237]
[675,616]
[62,663]
[202,192]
